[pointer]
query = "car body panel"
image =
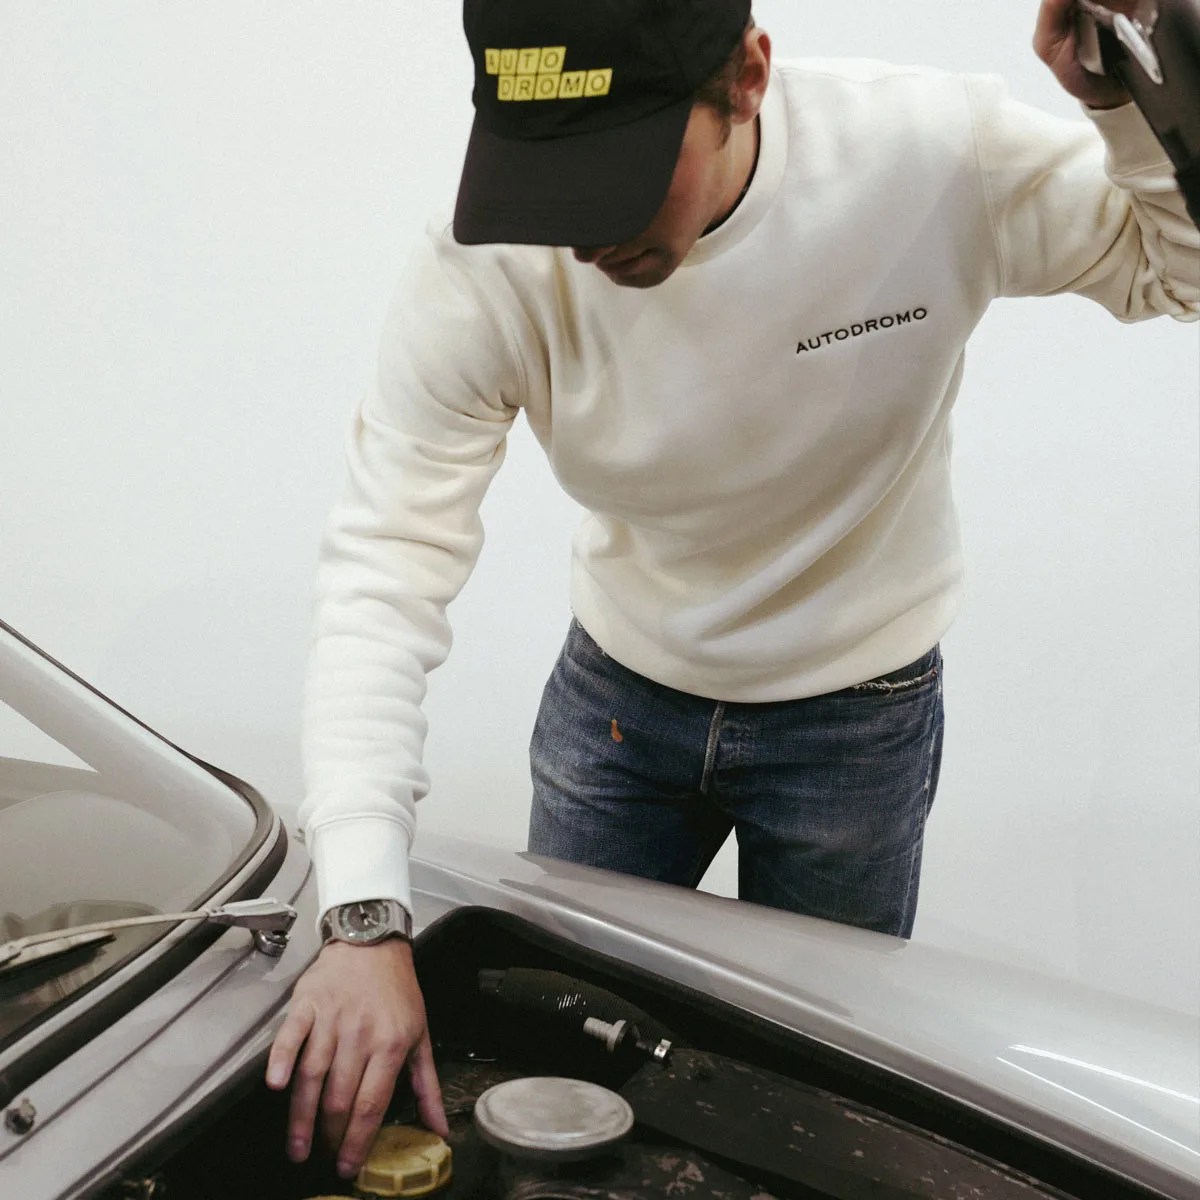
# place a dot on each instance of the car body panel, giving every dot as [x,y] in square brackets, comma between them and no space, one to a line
[154,1067]
[109,1064]
[1107,1079]
[1093,1076]
[158,831]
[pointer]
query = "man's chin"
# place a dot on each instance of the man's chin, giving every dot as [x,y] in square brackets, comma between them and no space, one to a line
[646,271]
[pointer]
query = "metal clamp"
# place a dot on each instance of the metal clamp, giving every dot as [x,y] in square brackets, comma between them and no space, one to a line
[623,1038]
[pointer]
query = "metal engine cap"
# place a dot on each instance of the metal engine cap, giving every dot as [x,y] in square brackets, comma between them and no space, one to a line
[551,1117]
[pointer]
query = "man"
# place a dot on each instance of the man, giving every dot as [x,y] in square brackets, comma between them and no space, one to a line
[732,302]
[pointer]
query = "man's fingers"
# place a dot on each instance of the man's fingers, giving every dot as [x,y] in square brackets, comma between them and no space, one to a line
[359,1016]
[1055,28]
[306,1092]
[342,1086]
[370,1105]
[1056,43]
[1056,18]
[287,1045]
[423,1077]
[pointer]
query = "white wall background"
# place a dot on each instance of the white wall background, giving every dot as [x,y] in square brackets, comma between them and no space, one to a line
[203,209]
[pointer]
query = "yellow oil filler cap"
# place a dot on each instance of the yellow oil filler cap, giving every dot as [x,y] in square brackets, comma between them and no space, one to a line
[405,1161]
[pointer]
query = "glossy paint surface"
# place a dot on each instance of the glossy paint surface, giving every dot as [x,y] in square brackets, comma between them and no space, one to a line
[1105,1078]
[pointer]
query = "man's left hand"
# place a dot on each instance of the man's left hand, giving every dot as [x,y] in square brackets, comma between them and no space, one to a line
[1056,43]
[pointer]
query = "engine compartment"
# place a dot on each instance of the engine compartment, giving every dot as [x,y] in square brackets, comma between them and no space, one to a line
[734,1108]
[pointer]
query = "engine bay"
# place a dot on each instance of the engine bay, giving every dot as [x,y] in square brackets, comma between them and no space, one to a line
[720,1103]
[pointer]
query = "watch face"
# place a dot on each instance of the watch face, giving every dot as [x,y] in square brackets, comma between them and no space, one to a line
[364,921]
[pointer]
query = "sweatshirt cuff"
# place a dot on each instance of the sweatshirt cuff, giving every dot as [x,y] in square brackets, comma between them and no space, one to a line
[1132,146]
[360,858]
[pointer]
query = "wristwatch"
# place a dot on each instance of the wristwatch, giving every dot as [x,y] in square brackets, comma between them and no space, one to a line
[367,922]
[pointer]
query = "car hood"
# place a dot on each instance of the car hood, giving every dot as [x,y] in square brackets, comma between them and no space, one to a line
[1104,1077]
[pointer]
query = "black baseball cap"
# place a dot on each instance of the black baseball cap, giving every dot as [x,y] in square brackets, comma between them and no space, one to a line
[580,111]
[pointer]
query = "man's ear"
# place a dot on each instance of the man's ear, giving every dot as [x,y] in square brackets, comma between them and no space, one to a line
[751,84]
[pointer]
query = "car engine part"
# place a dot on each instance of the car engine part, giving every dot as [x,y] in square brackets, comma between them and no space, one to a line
[524,1023]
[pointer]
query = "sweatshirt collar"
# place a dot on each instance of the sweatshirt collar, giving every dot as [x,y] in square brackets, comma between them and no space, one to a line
[768,175]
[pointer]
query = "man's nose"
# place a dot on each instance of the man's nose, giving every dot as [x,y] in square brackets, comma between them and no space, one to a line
[590,254]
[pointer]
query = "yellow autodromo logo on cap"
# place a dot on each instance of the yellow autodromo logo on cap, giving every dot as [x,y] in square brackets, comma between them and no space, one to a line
[536,73]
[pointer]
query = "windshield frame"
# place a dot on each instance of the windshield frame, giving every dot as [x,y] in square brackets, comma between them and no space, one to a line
[64,1027]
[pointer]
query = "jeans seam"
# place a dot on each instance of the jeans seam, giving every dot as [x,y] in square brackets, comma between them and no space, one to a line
[925,790]
[710,750]
[930,739]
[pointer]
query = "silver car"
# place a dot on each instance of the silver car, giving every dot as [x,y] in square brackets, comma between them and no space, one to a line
[596,1036]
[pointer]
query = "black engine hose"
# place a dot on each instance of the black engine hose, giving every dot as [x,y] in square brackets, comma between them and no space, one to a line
[566,1001]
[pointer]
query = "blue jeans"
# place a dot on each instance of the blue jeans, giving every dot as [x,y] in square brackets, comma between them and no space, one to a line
[828,795]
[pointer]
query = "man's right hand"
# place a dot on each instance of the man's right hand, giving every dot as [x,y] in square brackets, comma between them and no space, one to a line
[358,1016]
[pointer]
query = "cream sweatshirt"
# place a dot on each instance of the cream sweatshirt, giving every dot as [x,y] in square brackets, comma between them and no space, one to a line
[762,443]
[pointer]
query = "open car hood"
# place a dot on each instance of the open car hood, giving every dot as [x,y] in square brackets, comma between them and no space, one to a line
[1109,1079]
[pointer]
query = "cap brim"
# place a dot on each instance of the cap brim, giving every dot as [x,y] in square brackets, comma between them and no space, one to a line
[587,189]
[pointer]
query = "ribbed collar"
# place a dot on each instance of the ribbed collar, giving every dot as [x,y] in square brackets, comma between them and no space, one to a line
[768,175]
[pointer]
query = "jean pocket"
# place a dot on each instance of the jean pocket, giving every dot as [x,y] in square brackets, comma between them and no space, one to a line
[906,679]
[583,649]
